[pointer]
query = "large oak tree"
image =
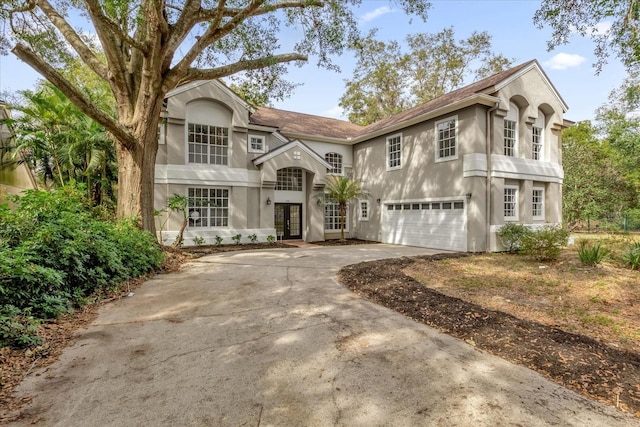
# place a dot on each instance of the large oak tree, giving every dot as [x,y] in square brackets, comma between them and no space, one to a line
[145,48]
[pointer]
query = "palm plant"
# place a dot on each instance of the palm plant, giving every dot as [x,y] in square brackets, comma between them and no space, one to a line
[342,190]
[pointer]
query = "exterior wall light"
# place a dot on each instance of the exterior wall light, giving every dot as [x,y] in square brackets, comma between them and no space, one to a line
[268,200]
[468,197]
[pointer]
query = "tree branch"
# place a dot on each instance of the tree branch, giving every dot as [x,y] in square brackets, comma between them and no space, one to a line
[84,104]
[72,37]
[232,11]
[227,70]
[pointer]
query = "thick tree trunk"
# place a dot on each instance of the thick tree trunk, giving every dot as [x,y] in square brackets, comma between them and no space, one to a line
[136,170]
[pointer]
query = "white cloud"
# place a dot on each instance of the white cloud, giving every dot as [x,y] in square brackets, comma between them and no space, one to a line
[562,61]
[602,28]
[370,16]
[335,113]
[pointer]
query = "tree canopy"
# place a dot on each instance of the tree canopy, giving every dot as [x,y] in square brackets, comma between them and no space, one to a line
[613,25]
[144,48]
[387,80]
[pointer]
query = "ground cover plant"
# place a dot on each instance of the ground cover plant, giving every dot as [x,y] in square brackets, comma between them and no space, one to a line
[578,325]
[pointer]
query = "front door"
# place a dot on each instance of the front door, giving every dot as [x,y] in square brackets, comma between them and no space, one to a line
[288,220]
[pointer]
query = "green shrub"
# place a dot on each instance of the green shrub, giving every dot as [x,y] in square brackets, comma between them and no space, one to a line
[218,240]
[544,244]
[271,239]
[253,238]
[512,236]
[18,328]
[236,239]
[54,252]
[632,257]
[591,254]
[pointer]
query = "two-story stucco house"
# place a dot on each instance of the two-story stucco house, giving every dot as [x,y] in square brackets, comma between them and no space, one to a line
[446,174]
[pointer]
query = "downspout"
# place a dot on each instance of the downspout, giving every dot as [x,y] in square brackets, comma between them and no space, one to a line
[488,189]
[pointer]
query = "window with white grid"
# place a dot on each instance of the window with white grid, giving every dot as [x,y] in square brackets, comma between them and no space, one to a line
[446,139]
[335,160]
[537,203]
[289,179]
[394,152]
[537,138]
[364,210]
[208,207]
[255,143]
[510,137]
[332,215]
[510,203]
[208,144]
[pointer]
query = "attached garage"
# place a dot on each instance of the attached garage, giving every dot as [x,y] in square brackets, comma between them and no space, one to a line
[433,224]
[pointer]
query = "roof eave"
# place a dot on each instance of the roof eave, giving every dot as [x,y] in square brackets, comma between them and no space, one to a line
[479,98]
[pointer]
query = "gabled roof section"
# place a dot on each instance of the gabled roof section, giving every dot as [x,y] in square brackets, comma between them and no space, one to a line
[293,123]
[220,85]
[295,143]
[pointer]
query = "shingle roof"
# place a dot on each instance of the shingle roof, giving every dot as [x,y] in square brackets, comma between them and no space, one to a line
[306,124]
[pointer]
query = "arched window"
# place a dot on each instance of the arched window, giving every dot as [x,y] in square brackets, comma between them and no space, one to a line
[335,160]
[511,131]
[208,126]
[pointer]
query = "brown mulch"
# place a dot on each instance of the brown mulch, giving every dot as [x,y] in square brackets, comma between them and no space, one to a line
[575,361]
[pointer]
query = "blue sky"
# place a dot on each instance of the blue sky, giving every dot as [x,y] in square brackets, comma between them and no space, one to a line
[510,22]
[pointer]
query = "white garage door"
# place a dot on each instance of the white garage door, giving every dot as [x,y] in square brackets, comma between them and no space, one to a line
[438,225]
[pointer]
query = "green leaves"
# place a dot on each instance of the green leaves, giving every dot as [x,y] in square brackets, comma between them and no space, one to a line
[387,80]
[55,253]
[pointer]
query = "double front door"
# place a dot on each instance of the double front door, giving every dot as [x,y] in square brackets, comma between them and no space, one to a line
[288,220]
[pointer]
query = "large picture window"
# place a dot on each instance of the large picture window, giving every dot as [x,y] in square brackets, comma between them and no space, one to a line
[208,207]
[446,139]
[332,215]
[208,144]
[289,179]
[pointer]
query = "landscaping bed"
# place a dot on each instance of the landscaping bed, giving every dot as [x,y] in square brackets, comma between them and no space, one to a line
[578,326]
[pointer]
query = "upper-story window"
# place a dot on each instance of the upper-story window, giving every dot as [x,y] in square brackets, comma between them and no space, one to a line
[335,160]
[255,144]
[394,152]
[208,144]
[537,137]
[289,179]
[207,132]
[510,147]
[447,139]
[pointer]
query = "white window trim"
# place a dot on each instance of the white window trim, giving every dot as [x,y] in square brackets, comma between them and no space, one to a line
[540,217]
[437,148]
[389,168]
[346,221]
[253,150]
[517,139]
[210,227]
[517,207]
[361,217]
[341,173]
[186,146]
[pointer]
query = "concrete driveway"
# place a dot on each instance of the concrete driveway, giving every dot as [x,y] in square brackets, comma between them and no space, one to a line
[269,338]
